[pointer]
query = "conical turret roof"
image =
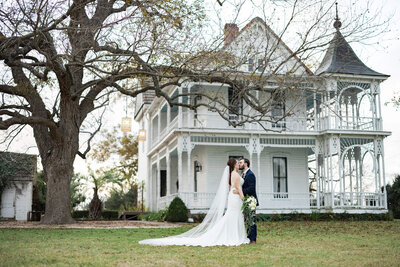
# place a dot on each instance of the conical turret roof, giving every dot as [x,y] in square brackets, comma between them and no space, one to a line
[340,58]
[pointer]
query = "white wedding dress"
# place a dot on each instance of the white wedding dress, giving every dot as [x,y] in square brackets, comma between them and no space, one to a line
[217,229]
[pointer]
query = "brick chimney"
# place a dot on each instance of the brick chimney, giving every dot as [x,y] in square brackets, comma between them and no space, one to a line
[230,30]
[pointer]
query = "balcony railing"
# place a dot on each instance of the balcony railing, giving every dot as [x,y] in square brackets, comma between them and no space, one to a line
[214,121]
[360,123]
[164,132]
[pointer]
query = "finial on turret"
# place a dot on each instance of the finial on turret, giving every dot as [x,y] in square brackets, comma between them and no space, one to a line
[337,24]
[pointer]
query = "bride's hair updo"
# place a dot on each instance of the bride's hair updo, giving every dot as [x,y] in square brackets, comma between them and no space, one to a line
[231,163]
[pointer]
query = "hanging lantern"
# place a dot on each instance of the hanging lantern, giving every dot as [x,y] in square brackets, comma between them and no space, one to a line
[142,135]
[126,125]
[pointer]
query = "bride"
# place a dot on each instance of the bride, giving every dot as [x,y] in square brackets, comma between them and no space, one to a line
[217,228]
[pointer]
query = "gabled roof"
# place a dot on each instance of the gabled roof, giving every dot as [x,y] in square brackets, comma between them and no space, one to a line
[260,20]
[340,58]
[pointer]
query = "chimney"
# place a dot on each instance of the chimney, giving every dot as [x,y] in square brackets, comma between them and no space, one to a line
[230,30]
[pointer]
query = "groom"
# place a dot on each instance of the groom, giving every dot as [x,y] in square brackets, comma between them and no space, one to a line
[249,188]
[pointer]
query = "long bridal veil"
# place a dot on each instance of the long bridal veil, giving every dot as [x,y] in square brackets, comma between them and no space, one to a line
[214,214]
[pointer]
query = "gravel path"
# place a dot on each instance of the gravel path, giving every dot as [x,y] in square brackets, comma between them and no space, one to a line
[93,224]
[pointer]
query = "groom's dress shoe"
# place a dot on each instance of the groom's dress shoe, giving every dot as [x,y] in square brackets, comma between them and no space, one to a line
[252,242]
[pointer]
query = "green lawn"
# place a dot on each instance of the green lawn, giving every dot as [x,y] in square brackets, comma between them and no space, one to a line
[279,244]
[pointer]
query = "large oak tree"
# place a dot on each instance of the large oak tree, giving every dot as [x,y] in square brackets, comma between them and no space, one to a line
[61,61]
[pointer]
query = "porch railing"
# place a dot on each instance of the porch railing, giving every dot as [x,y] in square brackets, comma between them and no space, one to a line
[274,201]
[360,200]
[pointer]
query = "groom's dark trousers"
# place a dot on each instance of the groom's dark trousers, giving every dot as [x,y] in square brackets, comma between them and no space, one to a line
[249,188]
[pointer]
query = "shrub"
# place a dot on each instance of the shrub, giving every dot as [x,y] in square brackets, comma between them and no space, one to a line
[177,211]
[393,197]
[80,214]
[198,218]
[389,216]
[110,214]
[154,216]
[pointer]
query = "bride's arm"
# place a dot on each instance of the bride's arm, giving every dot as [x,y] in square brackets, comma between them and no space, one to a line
[237,185]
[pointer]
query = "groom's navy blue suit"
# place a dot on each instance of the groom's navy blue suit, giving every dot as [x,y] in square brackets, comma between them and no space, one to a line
[249,188]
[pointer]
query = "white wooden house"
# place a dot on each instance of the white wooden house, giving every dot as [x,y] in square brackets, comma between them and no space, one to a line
[327,156]
[16,198]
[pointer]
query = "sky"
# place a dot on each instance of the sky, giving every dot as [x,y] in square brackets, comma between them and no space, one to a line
[384,58]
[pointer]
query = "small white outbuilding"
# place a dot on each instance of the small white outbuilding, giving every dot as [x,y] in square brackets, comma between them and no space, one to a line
[17,172]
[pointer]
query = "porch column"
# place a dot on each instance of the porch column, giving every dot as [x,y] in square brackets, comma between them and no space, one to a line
[158,182]
[383,175]
[374,106]
[317,177]
[167,158]
[378,89]
[353,119]
[188,189]
[339,155]
[258,169]
[149,185]
[316,120]
[179,170]
[159,124]
[337,119]
[341,179]
[351,176]
[189,122]
[328,104]
[376,168]
[168,115]
[180,115]
[331,177]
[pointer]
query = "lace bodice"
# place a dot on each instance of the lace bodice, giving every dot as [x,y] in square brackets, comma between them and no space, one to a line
[241,183]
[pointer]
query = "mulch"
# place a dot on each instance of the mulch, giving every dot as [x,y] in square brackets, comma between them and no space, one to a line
[92,224]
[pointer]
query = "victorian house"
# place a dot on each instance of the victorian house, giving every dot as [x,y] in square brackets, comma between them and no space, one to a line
[326,156]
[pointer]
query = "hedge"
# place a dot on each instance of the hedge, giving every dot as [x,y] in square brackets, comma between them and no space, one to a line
[317,216]
[106,214]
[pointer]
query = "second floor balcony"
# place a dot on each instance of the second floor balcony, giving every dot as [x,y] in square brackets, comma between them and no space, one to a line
[350,108]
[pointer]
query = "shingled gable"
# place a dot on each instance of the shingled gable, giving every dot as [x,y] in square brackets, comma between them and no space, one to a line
[340,58]
[269,30]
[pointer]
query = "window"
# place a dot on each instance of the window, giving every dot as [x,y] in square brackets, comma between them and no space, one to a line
[235,104]
[280,177]
[278,110]
[260,67]
[251,65]
[236,157]
[163,183]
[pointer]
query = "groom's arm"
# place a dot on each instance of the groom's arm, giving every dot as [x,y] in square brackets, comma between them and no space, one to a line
[251,188]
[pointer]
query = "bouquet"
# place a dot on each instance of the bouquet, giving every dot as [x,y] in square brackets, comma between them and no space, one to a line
[249,211]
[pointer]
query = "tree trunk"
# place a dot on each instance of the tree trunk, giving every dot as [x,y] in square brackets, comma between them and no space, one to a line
[95,206]
[58,150]
[58,174]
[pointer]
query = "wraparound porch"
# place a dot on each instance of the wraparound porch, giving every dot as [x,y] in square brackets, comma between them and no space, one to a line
[198,202]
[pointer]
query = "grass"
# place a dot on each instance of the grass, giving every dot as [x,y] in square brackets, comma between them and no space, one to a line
[279,244]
